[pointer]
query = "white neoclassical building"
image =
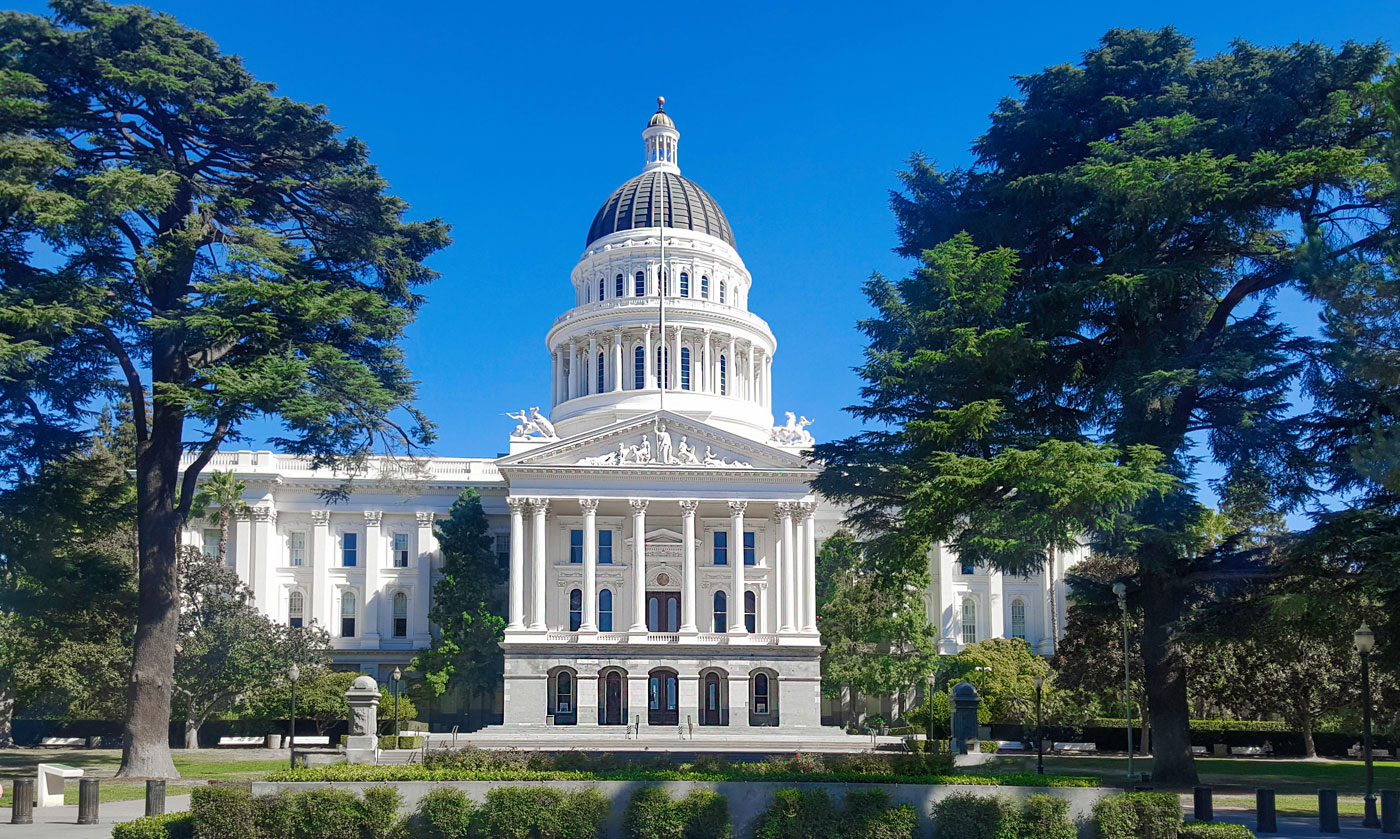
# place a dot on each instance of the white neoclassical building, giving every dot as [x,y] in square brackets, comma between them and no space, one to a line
[657,525]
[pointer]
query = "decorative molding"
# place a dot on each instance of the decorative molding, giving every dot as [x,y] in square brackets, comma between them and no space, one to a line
[643,454]
[321,518]
[588,505]
[424,519]
[689,506]
[806,510]
[785,509]
[540,505]
[737,508]
[261,513]
[639,505]
[373,517]
[516,504]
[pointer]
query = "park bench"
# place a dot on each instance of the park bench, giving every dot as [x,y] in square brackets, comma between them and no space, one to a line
[63,742]
[1200,750]
[50,783]
[1247,750]
[243,742]
[1375,753]
[1076,748]
[313,741]
[1011,746]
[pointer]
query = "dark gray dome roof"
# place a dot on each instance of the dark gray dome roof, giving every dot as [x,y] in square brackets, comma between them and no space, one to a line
[637,204]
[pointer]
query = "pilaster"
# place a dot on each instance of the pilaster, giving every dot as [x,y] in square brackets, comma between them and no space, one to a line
[374,547]
[589,623]
[322,592]
[517,564]
[423,601]
[688,508]
[639,574]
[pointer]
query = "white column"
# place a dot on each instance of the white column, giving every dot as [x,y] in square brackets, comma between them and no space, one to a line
[590,564]
[427,550]
[736,559]
[639,567]
[374,544]
[996,614]
[322,592]
[768,381]
[751,390]
[732,386]
[573,370]
[554,380]
[617,362]
[240,553]
[675,365]
[539,507]
[809,552]
[592,366]
[1047,605]
[266,556]
[517,564]
[649,380]
[945,613]
[789,581]
[688,575]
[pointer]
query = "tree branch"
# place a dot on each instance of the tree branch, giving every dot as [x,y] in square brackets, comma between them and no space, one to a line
[206,453]
[133,381]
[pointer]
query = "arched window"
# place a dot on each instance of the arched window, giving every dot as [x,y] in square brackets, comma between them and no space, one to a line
[721,611]
[722,288]
[663,366]
[750,611]
[587,294]
[575,610]
[639,368]
[969,622]
[723,376]
[602,287]
[685,284]
[564,693]
[639,284]
[296,609]
[605,611]
[617,286]
[705,286]
[602,374]
[685,368]
[1018,619]
[347,615]
[760,693]
[400,615]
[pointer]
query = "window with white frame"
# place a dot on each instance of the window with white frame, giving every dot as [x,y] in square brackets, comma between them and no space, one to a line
[639,284]
[969,621]
[602,374]
[576,547]
[605,610]
[721,291]
[1018,619]
[350,549]
[575,609]
[211,542]
[296,609]
[750,552]
[967,568]
[639,368]
[705,286]
[296,548]
[347,615]
[750,611]
[760,693]
[721,547]
[605,547]
[400,615]
[721,610]
[685,284]
[685,368]
[400,550]
[723,376]
[503,550]
[602,288]
[618,286]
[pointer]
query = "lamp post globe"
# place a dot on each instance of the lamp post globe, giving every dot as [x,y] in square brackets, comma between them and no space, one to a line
[1364,640]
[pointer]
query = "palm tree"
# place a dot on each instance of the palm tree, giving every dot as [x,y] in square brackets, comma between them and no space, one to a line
[224,492]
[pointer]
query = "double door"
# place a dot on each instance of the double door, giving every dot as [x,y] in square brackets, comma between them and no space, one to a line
[662,698]
[663,611]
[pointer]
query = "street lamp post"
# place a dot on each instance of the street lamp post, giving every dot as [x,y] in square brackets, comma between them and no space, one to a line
[1039,736]
[293,673]
[1365,641]
[1121,592]
[398,674]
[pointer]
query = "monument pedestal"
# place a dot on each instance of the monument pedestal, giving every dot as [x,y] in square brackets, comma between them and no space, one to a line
[362,746]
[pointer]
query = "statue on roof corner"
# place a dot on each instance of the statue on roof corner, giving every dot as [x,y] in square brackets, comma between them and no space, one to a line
[792,433]
[532,425]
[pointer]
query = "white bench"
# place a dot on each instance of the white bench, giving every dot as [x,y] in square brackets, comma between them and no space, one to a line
[50,783]
[1375,753]
[312,741]
[1079,748]
[1200,750]
[243,742]
[1257,751]
[63,742]
[1010,746]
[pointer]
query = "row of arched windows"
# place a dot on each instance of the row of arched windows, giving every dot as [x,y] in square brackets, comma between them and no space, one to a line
[296,613]
[662,696]
[969,620]
[663,369]
[639,287]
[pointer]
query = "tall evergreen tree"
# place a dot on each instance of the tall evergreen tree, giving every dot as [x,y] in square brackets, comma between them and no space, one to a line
[1092,316]
[171,223]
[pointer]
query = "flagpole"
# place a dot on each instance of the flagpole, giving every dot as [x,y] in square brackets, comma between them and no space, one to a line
[661,277]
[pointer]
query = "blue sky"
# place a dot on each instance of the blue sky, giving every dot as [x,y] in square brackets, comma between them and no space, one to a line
[514,122]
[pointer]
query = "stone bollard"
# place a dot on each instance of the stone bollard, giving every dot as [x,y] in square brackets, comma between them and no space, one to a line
[155,798]
[22,807]
[87,801]
[1265,816]
[1327,811]
[964,724]
[1390,811]
[362,746]
[1204,805]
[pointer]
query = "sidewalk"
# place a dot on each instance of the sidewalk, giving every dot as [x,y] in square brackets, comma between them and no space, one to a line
[62,822]
[1294,827]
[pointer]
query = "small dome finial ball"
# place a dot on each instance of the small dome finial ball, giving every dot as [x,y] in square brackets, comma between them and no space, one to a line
[661,103]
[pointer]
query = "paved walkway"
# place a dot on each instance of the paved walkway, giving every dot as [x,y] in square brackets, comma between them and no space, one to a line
[1294,827]
[62,822]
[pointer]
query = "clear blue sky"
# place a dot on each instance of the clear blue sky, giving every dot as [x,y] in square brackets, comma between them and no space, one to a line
[514,121]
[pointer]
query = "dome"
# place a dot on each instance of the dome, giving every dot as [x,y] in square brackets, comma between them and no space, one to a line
[633,205]
[365,682]
[660,117]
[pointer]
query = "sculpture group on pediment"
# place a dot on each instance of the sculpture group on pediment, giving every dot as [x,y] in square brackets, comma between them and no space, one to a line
[533,424]
[663,453]
[793,432]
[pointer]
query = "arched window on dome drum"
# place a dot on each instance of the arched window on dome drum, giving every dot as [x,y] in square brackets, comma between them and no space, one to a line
[721,611]
[663,367]
[685,368]
[1018,619]
[639,285]
[685,284]
[705,286]
[723,377]
[722,289]
[617,286]
[602,374]
[602,288]
[639,369]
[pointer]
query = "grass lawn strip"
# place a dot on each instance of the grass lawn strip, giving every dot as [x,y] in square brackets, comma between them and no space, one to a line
[1226,776]
[1290,805]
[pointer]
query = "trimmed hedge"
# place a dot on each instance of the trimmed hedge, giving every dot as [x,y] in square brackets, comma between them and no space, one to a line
[653,814]
[968,816]
[405,741]
[1139,815]
[543,813]
[444,813]
[1214,830]
[168,826]
[232,812]
[810,814]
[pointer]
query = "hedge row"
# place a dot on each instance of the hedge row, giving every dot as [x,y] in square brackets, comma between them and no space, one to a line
[967,816]
[804,814]
[168,826]
[1328,727]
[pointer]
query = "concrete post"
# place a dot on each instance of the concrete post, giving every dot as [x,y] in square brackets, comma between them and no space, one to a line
[1390,811]
[362,746]
[964,724]
[1327,811]
[1203,804]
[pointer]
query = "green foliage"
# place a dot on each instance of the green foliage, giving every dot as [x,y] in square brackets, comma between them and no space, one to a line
[653,814]
[1214,830]
[544,813]
[869,814]
[404,741]
[1138,815]
[969,816]
[232,811]
[223,812]
[1047,817]
[444,813]
[864,814]
[797,814]
[1008,688]
[224,493]
[465,655]
[167,826]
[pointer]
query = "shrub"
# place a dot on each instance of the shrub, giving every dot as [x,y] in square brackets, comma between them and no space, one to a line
[797,814]
[653,814]
[969,816]
[390,742]
[168,826]
[1213,830]
[1138,815]
[380,809]
[543,813]
[869,815]
[223,811]
[327,814]
[1047,817]
[444,813]
[989,747]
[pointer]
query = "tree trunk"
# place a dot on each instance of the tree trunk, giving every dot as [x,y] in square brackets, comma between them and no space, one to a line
[7,715]
[1305,725]
[146,738]
[1165,679]
[223,536]
[191,734]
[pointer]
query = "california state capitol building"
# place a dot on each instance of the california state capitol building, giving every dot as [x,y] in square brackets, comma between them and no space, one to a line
[657,523]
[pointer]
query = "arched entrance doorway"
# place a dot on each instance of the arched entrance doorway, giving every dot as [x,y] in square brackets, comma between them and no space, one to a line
[612,698]
[662,698]
[563,696]
[714,698]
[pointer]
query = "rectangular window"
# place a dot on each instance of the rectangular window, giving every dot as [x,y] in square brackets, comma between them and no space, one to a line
[211,542]
[347,615]
[605,546]
[296,548]
[400,550]
[576,546]
[350,550]
[400,615]
[721,547]
[503,550]
[968,568]
[749,554]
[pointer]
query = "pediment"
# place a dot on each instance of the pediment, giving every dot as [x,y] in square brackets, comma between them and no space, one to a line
[660,440]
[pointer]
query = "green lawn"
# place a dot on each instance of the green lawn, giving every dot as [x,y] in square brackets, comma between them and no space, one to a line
[1231,775]
[103,763]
